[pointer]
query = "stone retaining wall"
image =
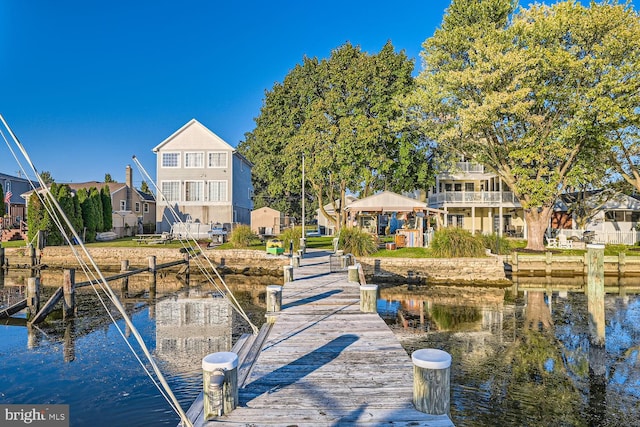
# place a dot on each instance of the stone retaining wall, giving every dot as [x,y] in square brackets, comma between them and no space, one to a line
[110,258]
[488,270]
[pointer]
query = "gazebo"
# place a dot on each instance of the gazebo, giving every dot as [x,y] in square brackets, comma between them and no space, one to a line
[388,213]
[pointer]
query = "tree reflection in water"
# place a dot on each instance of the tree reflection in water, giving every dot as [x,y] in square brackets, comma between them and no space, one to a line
[527,359]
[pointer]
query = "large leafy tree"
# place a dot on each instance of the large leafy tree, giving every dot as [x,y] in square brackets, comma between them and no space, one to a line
[339,114]
[533,94]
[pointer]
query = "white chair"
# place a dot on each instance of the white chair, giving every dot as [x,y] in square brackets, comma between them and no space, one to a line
[564,243]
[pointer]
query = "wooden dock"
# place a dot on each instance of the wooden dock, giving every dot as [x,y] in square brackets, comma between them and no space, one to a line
[325,363]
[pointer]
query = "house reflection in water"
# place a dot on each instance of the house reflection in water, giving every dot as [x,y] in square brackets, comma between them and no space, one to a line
[191,325]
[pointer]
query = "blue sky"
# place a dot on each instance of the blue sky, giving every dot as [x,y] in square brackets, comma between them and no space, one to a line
[85,85]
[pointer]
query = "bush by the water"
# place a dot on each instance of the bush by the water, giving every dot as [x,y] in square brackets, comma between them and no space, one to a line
[242,236]
[498,245]
[291,235]
[356,241]
[454,242]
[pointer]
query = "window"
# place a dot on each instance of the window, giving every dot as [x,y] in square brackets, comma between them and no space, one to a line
[193,191]
[145,207]
[137,206]
[455,220]
[193,160]
[217,191]
[468,186]
[170,160]
[171,190]
[123,205]
[218,160]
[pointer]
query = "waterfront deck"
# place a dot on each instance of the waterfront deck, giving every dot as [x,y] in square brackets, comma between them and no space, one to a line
[324,363]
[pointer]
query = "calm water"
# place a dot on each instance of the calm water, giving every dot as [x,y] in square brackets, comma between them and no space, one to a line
[519,358]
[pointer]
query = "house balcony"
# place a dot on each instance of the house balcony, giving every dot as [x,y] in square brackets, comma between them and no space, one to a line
[473,198]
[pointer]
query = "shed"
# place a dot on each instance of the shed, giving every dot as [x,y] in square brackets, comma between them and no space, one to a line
[267,221]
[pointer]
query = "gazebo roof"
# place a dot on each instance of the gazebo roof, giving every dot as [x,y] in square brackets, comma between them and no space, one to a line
[388,201]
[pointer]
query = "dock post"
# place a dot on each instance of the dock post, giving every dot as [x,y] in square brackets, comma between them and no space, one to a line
[124,284]
[353,275]
[303,245]
[300,253]
[369,298]
[33,295]
[187,271]
[220,383]
[32,256]
[274,298]
[622,262]
[431,381]
[288,273]
[69,292]
[152,278]
[1,258]
[595,294]
[295,261]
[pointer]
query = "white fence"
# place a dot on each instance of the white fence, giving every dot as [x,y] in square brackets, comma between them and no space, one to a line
[613,238]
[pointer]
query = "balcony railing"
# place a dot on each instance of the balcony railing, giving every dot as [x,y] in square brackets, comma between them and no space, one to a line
[467,167]
[473,198]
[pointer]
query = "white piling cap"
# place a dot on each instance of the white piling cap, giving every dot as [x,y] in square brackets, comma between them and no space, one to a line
[595,246]
[222,360]
[368,287]
[431,358]
[274,288]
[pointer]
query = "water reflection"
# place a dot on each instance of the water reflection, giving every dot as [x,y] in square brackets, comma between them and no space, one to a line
[83,362]
[525,357]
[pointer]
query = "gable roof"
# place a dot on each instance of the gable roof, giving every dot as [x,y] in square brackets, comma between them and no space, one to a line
[388,201]
[192,123]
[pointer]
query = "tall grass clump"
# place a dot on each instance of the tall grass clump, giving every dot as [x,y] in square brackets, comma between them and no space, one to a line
[454,242]
[498,245]
[242,236]
[291,235]
[356,241]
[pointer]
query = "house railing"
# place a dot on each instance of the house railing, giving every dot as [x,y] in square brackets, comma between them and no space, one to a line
[473,197]
[612,237]
[468,167]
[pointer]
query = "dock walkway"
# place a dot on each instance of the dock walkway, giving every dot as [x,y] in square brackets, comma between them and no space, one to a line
[325,363]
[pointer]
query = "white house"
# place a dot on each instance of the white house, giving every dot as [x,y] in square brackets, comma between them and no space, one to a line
[203,178]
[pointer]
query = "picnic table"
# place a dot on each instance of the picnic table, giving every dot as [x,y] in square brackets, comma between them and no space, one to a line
[153,238]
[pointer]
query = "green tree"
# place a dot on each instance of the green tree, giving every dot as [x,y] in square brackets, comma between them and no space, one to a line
[35,216]
[107,209]
[144,187]
[46,177]
[107,178]
[533,95]
[339,113]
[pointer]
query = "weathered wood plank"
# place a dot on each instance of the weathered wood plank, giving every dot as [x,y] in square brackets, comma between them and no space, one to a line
[324,363]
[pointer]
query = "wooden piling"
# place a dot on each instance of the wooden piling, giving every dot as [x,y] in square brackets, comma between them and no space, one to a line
[124,283]
[152,276]
[220,383]
[353,275]
[288,273]
[595,294]
[69,291]
[32,256]
[69,345]
[622,262]
[369,298]
[2,258]
[187,268]
[33,295]
[274,298]
[548,259]
[431,381]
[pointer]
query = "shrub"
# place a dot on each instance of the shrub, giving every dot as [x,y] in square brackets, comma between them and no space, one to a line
[497,244]
[242,236]
[291,235]
[356,241]
[454,242]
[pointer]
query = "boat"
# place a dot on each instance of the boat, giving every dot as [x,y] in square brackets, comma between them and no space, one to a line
[106,236]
